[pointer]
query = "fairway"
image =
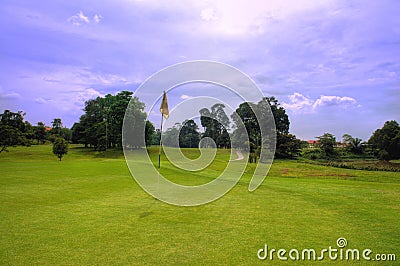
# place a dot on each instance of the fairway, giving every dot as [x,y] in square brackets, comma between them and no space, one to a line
[88,210]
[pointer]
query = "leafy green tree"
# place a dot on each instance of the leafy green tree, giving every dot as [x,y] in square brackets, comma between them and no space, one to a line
[245,113]
[13,130]
[114,107]
[289,146]
[14,120]
[90,122]
[327,144]
[354,145]
[40,132]
[222,123]
[170,135]
[77,135]
[155,138]
[136,118]
[281,119]
[206,121]
[224,140]
[149,132]
[216,124]
[60,147]
[387,141]
[29,132]
[189,137]
[66,133]
[101,125]
[56,127]
[9,137]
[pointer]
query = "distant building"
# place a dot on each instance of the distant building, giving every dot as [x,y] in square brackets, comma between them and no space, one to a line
[312,143]
[341,145]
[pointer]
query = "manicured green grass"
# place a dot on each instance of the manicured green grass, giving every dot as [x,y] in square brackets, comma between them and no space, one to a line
[88,210]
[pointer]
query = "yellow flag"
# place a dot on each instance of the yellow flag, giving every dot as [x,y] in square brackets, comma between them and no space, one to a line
[164,106]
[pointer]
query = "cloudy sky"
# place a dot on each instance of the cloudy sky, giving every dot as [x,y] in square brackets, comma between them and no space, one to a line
[334,65]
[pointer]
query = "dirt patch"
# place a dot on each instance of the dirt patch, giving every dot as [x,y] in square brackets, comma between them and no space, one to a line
[330,174]
[284,171]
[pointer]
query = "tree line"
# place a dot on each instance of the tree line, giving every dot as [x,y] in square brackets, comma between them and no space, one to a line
[217,125]
[100,127]
[15,130]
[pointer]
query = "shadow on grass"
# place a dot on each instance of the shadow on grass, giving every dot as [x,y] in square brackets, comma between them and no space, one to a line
[109,154]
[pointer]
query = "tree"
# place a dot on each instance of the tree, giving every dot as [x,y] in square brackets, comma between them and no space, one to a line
[170,136]
[40,132]
[29,132]
[216,124]
[289,146]
[136,119]
[223,140]
[9,137]
[14,120]
[245,113]
[12,130]
[101,125]
[327,144]
[149,132]
[56,125]
[60,147]
[387,141]
[282,122]
[114,108]
[66,133]
[354,145]
[189,137]
[155,138]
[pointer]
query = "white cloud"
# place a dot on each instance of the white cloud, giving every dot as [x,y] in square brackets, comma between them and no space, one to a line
[68,103]
[242,17]
[334,101]
[79,19]
[97,18]
[85,77]
[74,104]
[208,14]
[300,103]
[87,94]
[185,97]
[297,102]
[41,100]
[9,95]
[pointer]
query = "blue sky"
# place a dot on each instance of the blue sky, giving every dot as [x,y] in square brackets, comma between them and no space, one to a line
[334,65]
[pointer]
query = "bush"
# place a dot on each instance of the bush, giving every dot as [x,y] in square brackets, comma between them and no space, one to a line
[383,155]
[312,154]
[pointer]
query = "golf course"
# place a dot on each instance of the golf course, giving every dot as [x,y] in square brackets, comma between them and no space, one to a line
[88,210]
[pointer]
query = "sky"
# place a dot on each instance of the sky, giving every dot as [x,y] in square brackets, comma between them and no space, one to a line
[333,65]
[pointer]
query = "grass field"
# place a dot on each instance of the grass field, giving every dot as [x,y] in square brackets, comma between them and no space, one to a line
[88,210]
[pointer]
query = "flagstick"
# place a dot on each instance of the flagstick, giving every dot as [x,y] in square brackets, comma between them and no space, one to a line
[159,155]
[164,111]
[159,151]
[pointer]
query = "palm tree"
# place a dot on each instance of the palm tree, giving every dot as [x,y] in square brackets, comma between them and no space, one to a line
[354,145]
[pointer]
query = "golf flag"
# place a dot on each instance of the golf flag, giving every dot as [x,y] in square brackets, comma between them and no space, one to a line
[164,106]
